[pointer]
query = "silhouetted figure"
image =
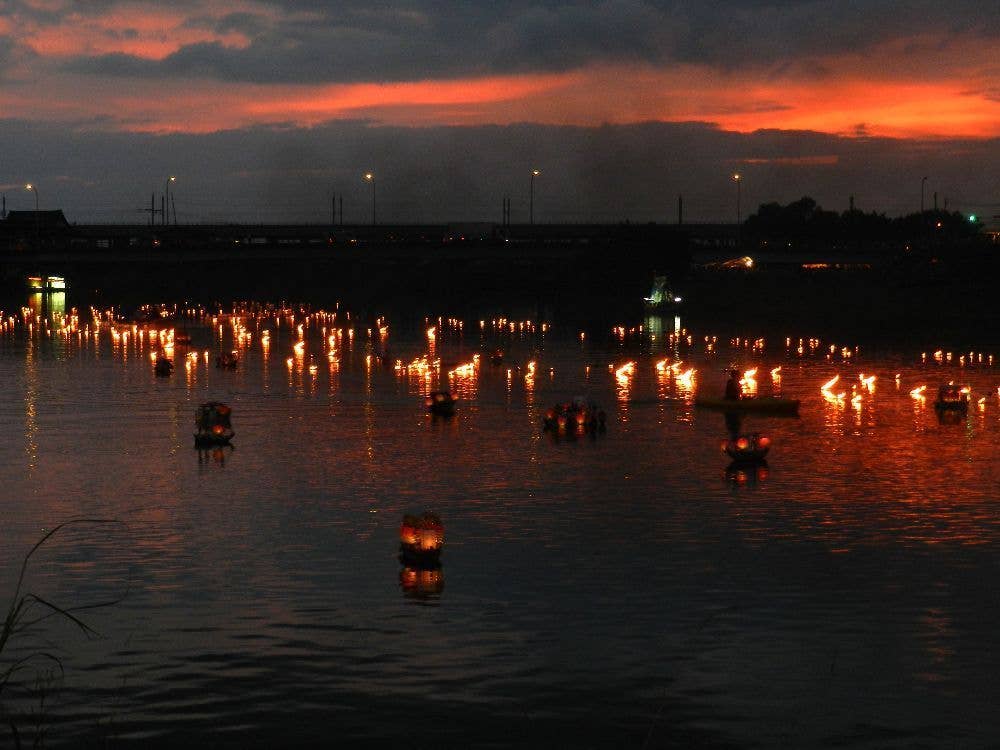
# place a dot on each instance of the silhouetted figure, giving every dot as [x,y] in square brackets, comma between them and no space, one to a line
[734,390]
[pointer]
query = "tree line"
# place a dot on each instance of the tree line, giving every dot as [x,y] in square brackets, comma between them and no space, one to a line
[805,222]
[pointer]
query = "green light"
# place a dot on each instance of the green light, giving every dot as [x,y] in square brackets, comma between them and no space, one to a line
[972,218]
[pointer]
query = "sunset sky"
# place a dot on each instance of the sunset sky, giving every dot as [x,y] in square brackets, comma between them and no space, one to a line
[264,109]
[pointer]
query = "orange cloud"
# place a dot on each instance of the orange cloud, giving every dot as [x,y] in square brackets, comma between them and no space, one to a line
[150,33]
[897,90]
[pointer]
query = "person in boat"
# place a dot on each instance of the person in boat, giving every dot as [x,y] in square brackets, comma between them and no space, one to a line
[734,391]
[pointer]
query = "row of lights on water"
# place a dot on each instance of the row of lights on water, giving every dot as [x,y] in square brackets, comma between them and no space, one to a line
[247,322]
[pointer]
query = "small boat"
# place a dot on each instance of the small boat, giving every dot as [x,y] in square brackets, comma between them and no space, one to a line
[212,425]
[163,367]
[762,405]
[441,403]
[952,398]
[227,360]
[747,449]
[661,298]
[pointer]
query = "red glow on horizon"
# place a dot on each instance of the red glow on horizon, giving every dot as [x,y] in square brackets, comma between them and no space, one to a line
[898,89]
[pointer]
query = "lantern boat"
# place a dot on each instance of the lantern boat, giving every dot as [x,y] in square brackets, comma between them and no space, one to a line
[763,405]
[441,403]
[212,425]
[575,415]
[747,449]
[952,398]
[421,539]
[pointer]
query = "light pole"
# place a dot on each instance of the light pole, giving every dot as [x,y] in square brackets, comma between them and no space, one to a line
[370,176]
[531,196]
[923,181]
[166,210]
[739,215]
[34,189]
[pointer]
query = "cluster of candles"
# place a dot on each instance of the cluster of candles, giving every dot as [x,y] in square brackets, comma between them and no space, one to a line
[249,321]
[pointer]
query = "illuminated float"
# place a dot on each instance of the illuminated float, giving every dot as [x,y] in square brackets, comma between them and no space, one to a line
[575,416]
[227,360]
[441,403]
[421,539]
[747,449]
[163,366]
[212,425]
[952,398]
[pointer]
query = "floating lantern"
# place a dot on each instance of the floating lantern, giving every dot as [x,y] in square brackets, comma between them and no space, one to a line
[212,425]
[421,539]
[747,449]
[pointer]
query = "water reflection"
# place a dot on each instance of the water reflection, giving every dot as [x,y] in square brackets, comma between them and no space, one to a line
[50,305]
[874,513]
[216,455]
[744,474]
[422,584]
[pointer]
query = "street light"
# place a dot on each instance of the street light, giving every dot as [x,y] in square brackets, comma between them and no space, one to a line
[923,181]
[166,213]
[370,176]
[739,214]
[34,189]
[531,196]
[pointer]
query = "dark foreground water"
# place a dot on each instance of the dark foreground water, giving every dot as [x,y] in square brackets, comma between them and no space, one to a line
[621,591]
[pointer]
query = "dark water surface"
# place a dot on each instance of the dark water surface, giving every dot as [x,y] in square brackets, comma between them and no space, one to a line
[620,591]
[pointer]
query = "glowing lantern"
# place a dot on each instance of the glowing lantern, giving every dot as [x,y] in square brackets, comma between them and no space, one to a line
[421,539]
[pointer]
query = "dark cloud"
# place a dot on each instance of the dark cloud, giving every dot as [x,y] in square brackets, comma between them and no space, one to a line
[442,174]
[354,41]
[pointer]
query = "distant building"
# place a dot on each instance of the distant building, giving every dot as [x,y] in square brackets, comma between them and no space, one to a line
[27,228]
[28,221]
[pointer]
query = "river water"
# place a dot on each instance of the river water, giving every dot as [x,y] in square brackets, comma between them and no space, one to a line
[627,589]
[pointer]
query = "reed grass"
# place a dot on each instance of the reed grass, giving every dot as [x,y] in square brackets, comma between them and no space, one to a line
[27,609]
